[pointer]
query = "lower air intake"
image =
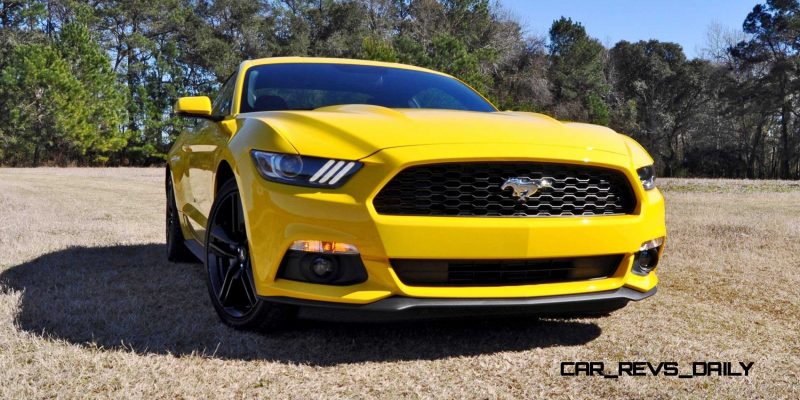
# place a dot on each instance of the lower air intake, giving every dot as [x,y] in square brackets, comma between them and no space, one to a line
[503,272]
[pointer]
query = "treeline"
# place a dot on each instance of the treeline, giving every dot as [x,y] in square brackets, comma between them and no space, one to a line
[93,82]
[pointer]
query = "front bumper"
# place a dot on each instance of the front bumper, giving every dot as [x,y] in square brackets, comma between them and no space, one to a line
[277,215]
[407,308]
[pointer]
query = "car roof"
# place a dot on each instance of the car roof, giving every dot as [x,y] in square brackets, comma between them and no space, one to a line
[324,60]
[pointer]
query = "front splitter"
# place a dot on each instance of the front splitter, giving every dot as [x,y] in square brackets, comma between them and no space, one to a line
[409,308]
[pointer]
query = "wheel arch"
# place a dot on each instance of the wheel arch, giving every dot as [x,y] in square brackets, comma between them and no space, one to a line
[223,174]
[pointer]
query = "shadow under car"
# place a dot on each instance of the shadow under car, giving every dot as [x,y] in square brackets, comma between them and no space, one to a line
[130,297]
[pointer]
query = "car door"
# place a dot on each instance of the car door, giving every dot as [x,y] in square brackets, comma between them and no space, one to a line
[201,152]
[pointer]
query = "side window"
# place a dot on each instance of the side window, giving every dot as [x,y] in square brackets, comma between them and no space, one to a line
[224,102]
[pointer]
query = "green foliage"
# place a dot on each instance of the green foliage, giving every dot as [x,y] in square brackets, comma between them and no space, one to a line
[377,49]
[67,104]
[38,82]
[448,54]
[597,109]
[102,98]
[773,53]
[577,74]
[94,82]
[660,94]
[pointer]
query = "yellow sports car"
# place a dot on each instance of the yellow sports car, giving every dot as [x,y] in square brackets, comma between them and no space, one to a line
[341,188]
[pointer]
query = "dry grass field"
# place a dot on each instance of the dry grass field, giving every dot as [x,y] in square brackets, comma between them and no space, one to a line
[89,307]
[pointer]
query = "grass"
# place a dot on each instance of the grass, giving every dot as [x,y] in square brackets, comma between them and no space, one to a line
[90,308]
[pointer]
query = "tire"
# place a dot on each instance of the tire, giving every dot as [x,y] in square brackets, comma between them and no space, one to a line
[176,246]
[229,274]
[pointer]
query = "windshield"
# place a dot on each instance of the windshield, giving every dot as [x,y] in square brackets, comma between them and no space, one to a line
[274,87]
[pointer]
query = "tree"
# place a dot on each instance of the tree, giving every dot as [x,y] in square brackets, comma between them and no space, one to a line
[116,67]
[774,50]
[657,95]
[519,80]
[38,82]
[67,103]
[143,37]
[18,25]
[577,74]
[102,97]
[375,48]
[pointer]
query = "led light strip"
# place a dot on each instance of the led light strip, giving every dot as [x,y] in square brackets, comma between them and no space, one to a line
[322,170]
[342,173]
[332,169]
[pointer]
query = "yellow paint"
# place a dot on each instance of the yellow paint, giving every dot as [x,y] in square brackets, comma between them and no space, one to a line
[199,106]
[388,141]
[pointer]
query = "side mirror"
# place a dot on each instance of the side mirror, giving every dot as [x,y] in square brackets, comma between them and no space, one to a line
[194,106]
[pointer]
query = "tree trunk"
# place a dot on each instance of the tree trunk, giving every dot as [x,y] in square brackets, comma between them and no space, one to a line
[751,162]
[784,167]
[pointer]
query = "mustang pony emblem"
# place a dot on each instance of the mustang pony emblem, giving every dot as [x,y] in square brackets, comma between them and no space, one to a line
[524,188]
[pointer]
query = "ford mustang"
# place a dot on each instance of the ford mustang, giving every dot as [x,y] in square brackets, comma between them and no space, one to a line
[341,188]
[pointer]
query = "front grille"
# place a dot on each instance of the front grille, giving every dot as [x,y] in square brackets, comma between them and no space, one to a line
[474,189]
[503,272]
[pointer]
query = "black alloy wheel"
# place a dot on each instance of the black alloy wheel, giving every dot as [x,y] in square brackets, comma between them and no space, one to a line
[230,274]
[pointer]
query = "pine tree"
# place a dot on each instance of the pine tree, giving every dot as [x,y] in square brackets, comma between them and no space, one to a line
[65,104]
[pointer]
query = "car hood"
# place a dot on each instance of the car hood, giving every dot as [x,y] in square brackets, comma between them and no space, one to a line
[356,131]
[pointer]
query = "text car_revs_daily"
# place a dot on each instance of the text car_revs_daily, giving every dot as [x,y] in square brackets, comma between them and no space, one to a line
[664,368]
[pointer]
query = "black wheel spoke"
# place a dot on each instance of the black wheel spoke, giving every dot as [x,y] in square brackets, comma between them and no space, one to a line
[220,251]
[248,288]
[219,235]
[227,284]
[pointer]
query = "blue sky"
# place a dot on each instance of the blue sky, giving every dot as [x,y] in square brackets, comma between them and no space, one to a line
[682,21]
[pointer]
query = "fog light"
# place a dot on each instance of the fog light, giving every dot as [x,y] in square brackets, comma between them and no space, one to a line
[323,267]
[646,259]
[329,263]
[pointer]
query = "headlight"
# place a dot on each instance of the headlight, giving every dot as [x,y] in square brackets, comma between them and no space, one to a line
[298,170]
[648,177]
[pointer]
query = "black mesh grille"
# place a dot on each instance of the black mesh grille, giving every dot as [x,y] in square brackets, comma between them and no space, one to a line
[473,189]
[504,272]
